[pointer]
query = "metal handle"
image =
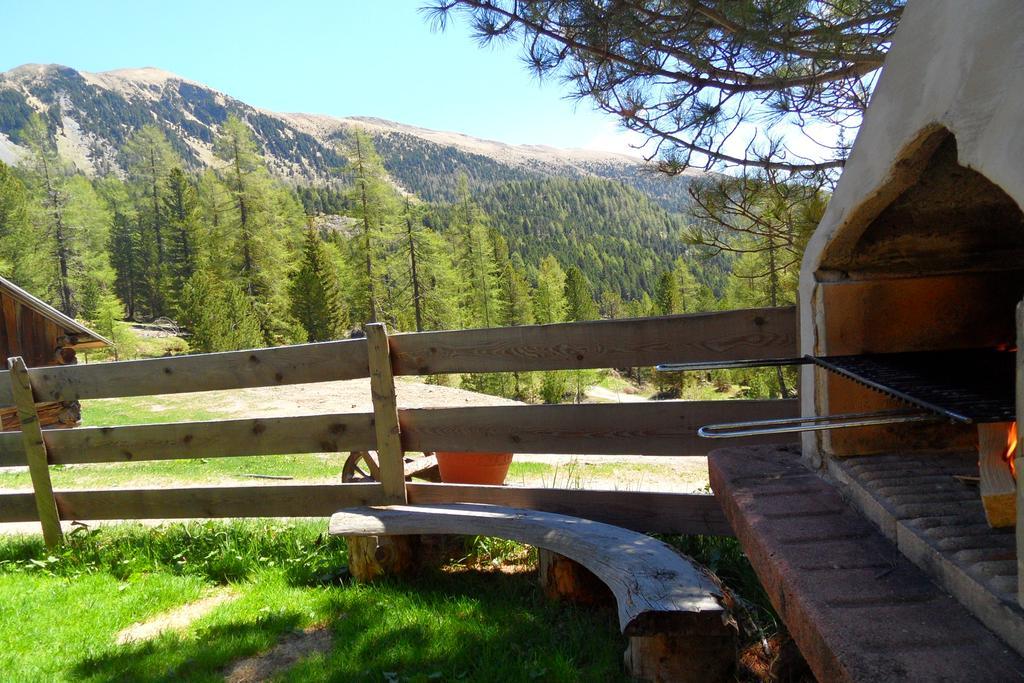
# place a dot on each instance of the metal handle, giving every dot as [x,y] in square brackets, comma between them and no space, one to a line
[810,424]
[731,364]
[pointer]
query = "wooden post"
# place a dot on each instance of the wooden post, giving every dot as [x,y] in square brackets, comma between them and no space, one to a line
[680,658]
[564,579]
[373,556]
[385,414]
[35,451]
[1018,456]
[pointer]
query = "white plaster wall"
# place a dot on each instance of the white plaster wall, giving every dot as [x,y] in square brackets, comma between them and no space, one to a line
[955,63]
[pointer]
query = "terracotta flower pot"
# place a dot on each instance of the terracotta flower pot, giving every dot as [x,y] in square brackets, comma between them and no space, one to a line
[473,468]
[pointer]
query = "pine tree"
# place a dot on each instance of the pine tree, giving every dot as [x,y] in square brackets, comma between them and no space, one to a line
[423,275]
[549,296]
[374,208]
[260,230]
[579,297]
[612,307]
[516,306]
[218,314]
[474,259]
[414,245]
[18,259]
[667,294]
[181,207]
[89,219]
[47,176]
[149,160]
[316,297]
[694,295]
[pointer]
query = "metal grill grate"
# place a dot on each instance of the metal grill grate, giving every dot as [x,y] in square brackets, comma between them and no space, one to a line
[970,386]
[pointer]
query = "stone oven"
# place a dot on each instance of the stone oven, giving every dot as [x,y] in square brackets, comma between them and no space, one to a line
[922,250]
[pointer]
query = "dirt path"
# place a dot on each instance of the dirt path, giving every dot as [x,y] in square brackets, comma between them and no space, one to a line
[288,652]
[601,394]
[177,619]
[656,473]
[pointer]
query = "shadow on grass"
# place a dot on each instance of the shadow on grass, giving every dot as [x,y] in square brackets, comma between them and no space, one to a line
[439,626]
[172,657]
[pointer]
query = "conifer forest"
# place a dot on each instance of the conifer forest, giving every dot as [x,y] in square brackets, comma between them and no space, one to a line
[238,258]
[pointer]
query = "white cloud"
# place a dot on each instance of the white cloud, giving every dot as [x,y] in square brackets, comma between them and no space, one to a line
[611,137]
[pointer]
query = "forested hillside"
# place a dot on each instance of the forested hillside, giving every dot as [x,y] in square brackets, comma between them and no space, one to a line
[139,195]
[614,234]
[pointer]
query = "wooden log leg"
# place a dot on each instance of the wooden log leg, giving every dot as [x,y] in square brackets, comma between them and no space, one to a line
[372,556]
[564,579]
[436,550]
[681,658]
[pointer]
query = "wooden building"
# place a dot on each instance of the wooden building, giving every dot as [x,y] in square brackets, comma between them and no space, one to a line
[42,335]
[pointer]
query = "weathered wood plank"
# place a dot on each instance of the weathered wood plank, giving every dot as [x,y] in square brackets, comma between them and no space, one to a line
[657,590]
[294,500]
[11,327]
[323,362]
[726,335]
[212,439]
[652,428]
[643,511]
[35,451]
[385,412]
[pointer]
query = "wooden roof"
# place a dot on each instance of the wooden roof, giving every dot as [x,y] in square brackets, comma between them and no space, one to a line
[81,336]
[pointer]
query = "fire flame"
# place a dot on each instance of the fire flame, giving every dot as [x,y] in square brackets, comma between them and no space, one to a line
[1011,448]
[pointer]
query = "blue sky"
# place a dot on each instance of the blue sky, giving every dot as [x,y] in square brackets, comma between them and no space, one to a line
[346,57]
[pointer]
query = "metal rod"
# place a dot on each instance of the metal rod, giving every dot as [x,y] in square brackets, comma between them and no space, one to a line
[810,424]
[731,364]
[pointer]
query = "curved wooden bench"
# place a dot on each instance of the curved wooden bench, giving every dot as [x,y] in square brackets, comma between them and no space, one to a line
[658,591]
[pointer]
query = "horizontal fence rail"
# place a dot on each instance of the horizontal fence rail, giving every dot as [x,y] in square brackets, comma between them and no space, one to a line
[727,335]
[300,364]
[284,500]
[212,439]
[655,428]
[639,510]
[647,428]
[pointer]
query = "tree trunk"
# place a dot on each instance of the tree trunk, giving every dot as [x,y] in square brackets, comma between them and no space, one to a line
[417,305]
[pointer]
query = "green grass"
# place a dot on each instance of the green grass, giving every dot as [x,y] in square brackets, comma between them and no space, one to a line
[152,410]
[300,467]
[624,475]
[113,412]
[60,611]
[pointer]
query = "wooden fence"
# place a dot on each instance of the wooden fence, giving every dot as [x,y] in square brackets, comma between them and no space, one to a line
[651,428]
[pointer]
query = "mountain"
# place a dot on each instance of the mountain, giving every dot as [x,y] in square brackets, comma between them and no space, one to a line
[95,113]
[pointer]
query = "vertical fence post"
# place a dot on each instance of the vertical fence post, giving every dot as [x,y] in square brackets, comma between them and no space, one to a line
[385,414]
[35,450]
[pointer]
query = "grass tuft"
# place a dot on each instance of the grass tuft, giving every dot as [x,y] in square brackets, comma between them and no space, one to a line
[439,625]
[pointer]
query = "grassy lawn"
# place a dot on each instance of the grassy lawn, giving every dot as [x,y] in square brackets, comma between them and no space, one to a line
[60,613]
[151,410]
